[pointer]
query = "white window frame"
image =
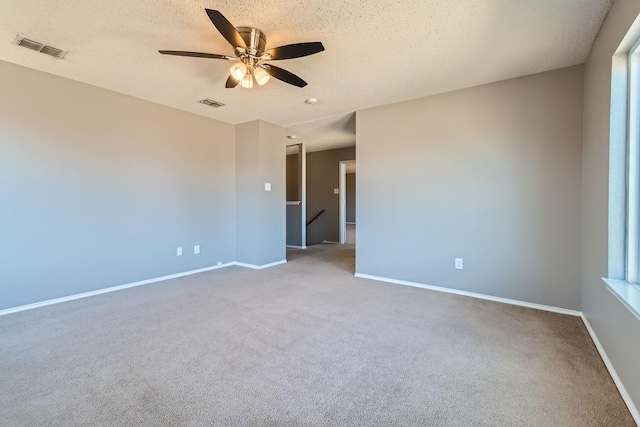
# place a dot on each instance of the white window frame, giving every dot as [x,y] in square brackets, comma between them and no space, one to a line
[632,270]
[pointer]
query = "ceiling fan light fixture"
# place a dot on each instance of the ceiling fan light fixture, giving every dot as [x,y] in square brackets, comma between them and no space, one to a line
[238,71]
[261,75]
[247,81]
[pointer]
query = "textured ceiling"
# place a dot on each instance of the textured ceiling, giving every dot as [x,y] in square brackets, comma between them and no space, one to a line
[377,51]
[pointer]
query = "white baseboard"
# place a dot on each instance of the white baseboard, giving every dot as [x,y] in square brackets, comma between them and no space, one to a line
[329,241]
[107,290]
[616,379]
[296,247]
[130,285]
[474,295]
[259,267]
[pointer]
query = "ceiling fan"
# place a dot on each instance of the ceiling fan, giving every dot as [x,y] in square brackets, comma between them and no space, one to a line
[249,48]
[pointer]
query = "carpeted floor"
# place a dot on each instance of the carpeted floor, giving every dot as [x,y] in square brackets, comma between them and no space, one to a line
[301,344]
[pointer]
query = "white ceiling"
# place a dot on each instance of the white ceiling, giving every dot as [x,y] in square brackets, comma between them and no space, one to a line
[326,133]
[377,51]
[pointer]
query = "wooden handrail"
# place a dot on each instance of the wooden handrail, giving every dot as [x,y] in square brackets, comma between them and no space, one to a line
[315,217]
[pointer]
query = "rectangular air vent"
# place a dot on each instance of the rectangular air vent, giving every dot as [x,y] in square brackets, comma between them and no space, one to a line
[29,44]
[212,103]
[40,47]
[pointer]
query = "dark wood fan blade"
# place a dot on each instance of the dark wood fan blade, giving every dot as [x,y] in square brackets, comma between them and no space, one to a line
[284,75]
[231,83]
[197,54]
[225,27]
[295,50]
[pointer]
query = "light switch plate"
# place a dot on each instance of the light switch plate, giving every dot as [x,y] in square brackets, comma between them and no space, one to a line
[459,264]
[267,186]
[196,249]
[336,191]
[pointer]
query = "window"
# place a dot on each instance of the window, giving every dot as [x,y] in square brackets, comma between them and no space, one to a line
[624,209]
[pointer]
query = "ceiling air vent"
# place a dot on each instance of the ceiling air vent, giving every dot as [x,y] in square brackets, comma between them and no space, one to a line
[40,47]
[212,103]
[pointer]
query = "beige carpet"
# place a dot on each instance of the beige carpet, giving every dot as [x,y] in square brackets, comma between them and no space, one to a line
[302,344]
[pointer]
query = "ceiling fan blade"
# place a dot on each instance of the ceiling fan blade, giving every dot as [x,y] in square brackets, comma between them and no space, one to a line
[283,75]
[295,50]
[197,54]
[231,83]
[227,30]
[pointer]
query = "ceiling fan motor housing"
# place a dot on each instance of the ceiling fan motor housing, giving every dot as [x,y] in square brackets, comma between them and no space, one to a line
[255,39]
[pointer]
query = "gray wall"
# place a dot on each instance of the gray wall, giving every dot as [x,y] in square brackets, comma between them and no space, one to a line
[617,329]
[294,225]
[351,197]
[273,213]
[261,215]
[248,189]
[293,177]
[323,175]
[489,174]
[98,189]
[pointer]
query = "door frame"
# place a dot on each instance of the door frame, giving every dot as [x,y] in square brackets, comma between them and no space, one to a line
[303,193]
[342,190]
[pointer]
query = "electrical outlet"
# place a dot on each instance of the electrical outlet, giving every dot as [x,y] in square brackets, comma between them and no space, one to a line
[219,262]
[179,252]
[459,264]
[196,249]
[267,186]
